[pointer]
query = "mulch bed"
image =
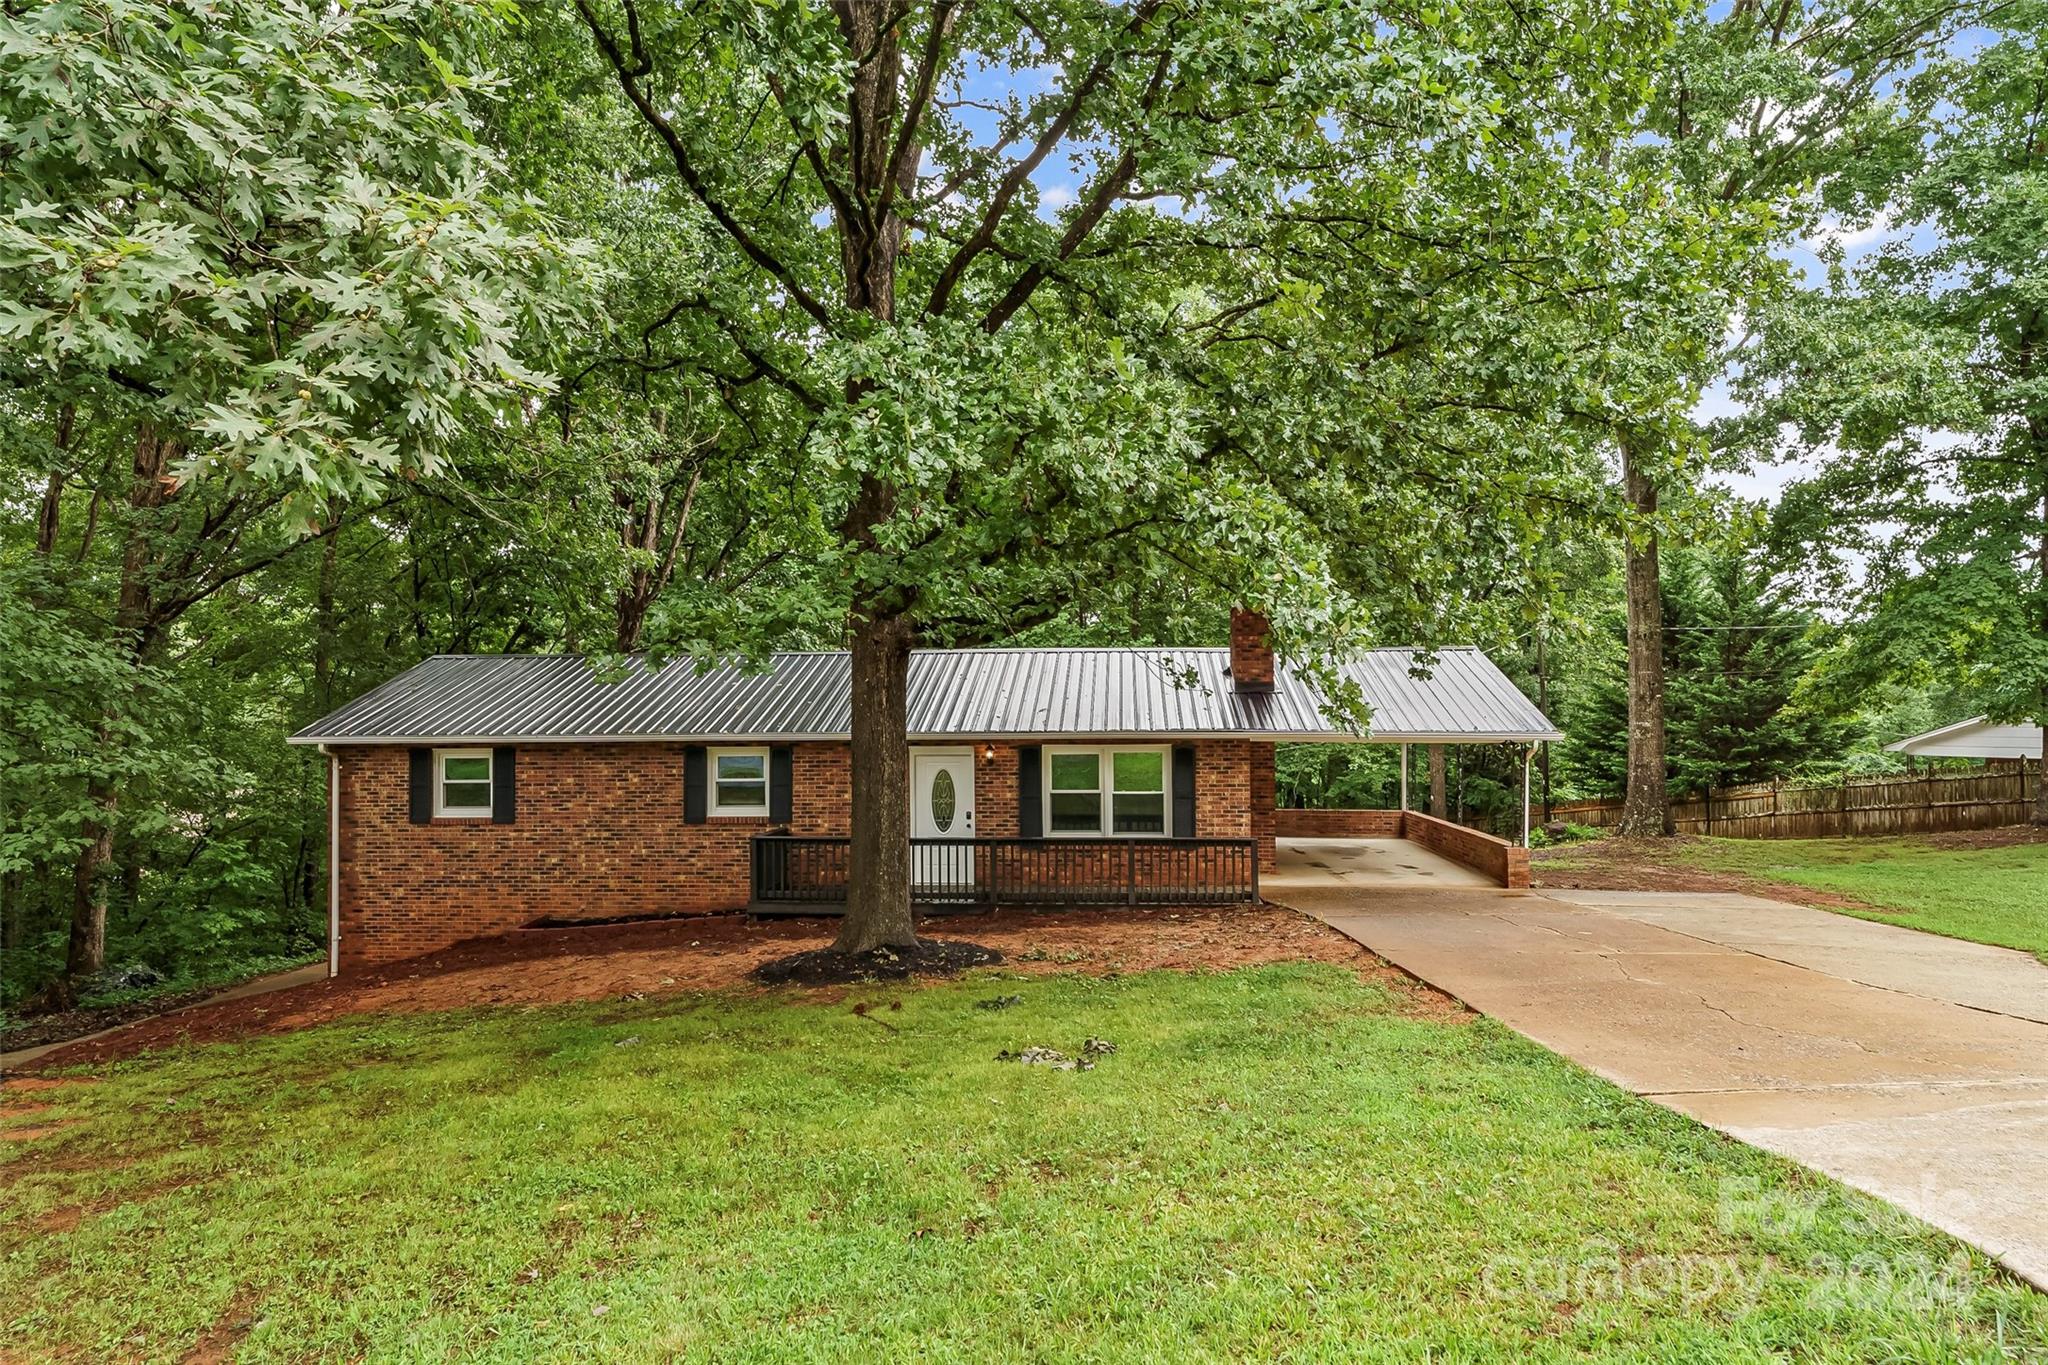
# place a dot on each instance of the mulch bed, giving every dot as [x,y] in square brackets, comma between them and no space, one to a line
[718,952]
[830,967]
[1650,865]
[2005,836]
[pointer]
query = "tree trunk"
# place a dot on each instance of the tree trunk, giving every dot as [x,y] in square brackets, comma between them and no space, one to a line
[878,909]
[48,515]
[2041,771]
[326,622]
[878,862]
[630,608]
[2041,777]
[88,946]
[1439,806]
[1645,811]
[87,952]
[1543,705]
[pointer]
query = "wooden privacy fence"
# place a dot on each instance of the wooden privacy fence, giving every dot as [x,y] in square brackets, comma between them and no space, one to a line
[1931,804]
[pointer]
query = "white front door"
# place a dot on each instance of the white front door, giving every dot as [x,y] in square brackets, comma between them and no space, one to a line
[942,807]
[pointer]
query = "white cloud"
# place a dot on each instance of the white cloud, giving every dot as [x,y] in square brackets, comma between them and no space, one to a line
[1833,232]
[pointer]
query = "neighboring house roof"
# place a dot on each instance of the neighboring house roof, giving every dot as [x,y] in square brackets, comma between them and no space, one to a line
[954,694]
[1974,738]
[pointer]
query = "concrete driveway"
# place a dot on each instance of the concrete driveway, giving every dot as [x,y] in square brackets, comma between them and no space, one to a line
[1911,1066]
[1324,863]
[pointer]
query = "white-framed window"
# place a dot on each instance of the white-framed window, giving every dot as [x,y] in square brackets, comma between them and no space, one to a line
[1113,790]
[462,784]
[739,781]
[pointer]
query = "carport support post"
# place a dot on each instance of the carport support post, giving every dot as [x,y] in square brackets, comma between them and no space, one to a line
[1404,777]
[1528,753]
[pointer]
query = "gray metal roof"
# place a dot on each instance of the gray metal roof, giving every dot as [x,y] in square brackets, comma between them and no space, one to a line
[954,694]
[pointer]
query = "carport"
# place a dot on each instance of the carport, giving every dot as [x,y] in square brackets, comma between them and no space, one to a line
[1462,699]
[1367,864]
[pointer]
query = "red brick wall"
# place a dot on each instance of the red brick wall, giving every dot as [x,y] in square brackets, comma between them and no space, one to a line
[1223,789]
[600,833]
[1264,796]
[995,792]
[1506,863]
[1291,823]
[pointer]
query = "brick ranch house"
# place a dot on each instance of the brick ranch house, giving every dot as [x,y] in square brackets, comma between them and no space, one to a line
[472,795]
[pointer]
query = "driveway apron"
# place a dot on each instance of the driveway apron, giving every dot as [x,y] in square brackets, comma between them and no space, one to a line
[1908,1065]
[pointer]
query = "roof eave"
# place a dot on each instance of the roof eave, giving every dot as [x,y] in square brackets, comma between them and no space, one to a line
[963,737]
[1939,732]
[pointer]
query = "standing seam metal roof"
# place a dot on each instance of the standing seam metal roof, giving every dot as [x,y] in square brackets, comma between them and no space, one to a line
[954,693]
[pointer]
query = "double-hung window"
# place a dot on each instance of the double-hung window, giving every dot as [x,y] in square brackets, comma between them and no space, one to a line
[739,782]
[462,784]
[1105,791]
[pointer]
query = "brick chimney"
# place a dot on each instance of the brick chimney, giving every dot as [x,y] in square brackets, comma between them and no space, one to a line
[1251,651]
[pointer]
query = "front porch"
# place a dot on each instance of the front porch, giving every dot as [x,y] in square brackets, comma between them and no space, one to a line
[806,875]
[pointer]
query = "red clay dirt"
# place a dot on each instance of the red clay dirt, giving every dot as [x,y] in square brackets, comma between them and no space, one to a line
[39,1130]
[22,1085]
[2005,836]
[1613,864]
[550,966]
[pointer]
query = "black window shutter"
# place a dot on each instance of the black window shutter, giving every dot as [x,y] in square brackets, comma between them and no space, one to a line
[1183,791]
[504,784]
[779,766]
[693,784]
[420,767]
[1030,794]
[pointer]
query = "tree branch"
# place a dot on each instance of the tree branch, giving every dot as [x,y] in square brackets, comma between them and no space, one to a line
[629,81]
[999,203]
[1086,221]
[920,100]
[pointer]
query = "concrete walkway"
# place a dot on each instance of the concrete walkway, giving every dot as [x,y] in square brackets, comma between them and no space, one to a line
[261,985]
[1911,1066]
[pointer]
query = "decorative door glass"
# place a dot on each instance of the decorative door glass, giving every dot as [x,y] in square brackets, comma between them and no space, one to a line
[942,800]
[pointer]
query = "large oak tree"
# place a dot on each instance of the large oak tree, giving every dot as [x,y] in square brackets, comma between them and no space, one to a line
[1309,302]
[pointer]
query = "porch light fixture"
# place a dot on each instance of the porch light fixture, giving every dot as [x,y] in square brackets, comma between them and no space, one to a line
[988,753]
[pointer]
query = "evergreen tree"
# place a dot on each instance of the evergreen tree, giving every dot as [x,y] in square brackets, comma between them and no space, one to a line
[1736,651]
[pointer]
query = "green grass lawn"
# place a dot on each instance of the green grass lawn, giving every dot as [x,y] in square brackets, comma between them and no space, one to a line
[1277,1161]
[1988,895]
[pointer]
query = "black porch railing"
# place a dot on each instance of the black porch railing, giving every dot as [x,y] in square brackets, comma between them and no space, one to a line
[793,872]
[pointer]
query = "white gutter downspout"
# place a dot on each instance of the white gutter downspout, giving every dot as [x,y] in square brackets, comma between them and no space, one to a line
[333,861]
[1404,776]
